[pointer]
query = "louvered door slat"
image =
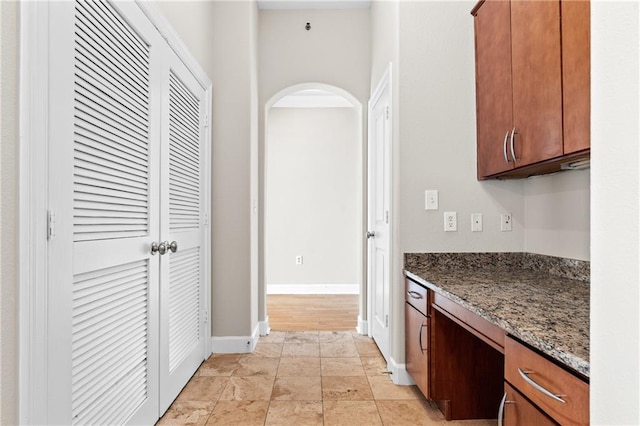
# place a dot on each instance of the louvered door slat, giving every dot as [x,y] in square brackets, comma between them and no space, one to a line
[184,308]
[93,104]
[119,27]
[184,156]
[109,313]
[97,34]
[103,89]
[109,99]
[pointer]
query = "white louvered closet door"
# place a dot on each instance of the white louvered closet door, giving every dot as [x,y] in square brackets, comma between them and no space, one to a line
[182,333]
[115,210]
[103,281]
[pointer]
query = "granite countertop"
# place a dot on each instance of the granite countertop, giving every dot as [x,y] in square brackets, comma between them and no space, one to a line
[541,300]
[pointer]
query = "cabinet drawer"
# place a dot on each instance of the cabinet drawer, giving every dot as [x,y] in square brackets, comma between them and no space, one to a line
[532,374]
[417,296]
[518,411]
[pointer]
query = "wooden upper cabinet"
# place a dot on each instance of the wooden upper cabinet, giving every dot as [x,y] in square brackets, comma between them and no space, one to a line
[494,110]
[576,70]
[532,85]
[537,80]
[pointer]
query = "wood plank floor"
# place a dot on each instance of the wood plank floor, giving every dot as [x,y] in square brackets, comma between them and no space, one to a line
[316,312]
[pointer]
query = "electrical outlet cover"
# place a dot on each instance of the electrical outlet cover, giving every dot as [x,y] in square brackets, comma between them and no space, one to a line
[450,221]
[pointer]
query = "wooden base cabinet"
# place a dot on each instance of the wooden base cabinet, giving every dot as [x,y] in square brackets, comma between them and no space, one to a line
[417,335]
[552,389]
[417,347]
[517,410]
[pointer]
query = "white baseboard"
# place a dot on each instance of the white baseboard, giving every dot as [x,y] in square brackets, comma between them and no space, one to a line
[313,289]
[232,344]
[362,327]
[399,374]
[264,327]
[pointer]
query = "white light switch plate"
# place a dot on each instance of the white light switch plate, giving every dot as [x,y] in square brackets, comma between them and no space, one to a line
[431,199]
[505,222]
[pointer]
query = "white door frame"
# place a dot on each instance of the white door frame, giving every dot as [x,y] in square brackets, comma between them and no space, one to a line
[384,85]
[33,198]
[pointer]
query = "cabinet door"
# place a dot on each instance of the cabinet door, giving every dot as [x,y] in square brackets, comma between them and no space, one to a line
[493,86]
[417,350]
[537,86]
[576,82]
[519,411]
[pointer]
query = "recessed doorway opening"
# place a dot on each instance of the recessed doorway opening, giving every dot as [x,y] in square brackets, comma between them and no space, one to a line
[313,220]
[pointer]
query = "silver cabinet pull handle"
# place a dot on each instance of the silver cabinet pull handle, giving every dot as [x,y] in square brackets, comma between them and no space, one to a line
[526,378]
[173,246]
[501,408]
[154,248]
[513,151]
[420,337]
[504,147]
[414,294]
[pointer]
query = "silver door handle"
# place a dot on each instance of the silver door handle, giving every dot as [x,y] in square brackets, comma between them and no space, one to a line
[160,248]
[513,151]
[173,246]
[371,234]
[501,408]
[504,147]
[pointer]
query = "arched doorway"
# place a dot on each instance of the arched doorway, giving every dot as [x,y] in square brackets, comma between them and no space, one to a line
[313,185]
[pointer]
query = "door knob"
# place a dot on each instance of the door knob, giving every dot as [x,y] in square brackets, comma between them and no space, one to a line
[173,246]
[371,234]
[159,248]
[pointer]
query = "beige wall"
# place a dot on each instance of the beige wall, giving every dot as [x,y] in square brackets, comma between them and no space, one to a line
[8,214]
[313,196]
[557,215]
[336,52]
[435,143]
[221,36]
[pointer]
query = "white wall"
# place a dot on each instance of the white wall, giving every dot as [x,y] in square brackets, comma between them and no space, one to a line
[557,215]
[8,213]
[221,35]
[615,192]
[313,197]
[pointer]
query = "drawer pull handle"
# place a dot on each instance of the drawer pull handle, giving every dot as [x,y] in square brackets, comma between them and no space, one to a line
[526,378]
[414,294]
[420,337]
[501,408]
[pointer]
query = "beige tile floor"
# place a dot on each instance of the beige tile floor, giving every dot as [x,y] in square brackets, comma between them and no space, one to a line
[303,378]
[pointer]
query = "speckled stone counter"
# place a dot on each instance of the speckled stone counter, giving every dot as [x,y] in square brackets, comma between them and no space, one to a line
[542,300]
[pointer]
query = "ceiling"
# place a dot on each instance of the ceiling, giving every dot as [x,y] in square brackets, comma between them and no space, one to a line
[314,4]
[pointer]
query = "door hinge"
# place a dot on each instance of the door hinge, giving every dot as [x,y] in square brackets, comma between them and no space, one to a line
[387,112]
[206,120]
[386,216]
[205,219]
[386,321]
[206,316]
[51,224]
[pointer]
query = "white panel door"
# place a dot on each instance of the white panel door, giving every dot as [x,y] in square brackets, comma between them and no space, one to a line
[104,205]
[182,331]
[379,219]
